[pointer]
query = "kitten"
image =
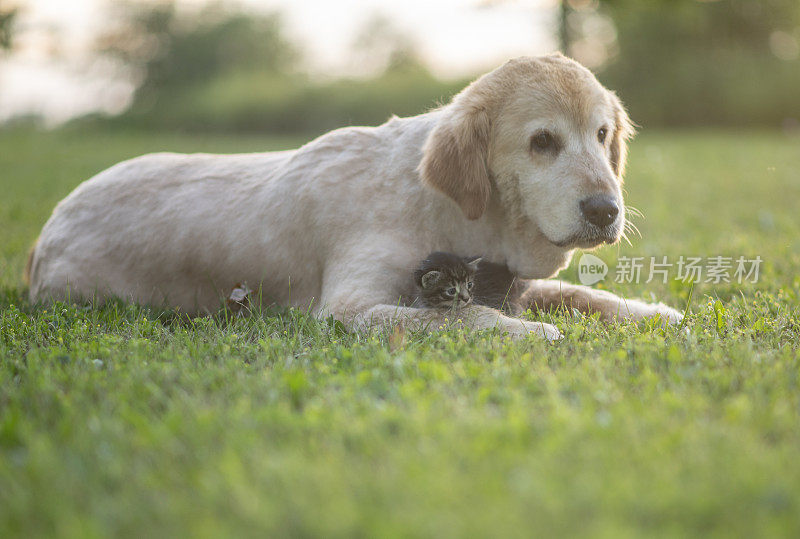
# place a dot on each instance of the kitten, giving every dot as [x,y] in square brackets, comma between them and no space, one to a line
[496,287]
[446,280]
[450,281]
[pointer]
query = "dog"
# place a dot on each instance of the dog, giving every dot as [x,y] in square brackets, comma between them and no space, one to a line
[523,166]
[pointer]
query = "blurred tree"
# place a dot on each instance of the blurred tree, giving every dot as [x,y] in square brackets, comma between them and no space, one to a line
[222,69]
[381,47]
[563,28]
[170,49]
[693,62]
[8,15]
[674,62]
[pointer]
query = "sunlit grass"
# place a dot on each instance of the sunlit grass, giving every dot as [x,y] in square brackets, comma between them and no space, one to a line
[129,421]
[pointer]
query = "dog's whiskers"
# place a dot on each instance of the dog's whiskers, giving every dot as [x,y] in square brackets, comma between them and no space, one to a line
[634,211]
[624,236]
[628,226]
[632,228]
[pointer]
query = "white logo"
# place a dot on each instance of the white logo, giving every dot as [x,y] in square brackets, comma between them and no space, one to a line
[591,269]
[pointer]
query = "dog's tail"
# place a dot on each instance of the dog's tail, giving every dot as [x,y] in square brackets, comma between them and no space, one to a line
[29,266]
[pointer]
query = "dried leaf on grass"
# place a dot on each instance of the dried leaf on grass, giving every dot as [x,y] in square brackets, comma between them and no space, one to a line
[239,299]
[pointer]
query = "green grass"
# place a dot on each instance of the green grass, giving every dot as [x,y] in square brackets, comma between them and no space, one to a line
[130,422]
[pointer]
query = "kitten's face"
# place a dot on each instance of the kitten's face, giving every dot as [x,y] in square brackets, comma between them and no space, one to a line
[447,282]
[446,289]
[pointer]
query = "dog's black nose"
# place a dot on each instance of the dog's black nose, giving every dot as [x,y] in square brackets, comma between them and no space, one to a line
[600,210]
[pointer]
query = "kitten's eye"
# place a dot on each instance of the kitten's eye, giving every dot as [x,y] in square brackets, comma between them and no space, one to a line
[450,292]
[544,141]
[601,135]
[470,285]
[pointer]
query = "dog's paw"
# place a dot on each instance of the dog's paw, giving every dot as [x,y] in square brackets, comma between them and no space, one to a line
[638,310]
[521,328]
[668,314]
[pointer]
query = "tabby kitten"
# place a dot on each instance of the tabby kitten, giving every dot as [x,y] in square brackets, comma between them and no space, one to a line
[450,281]
[446,280]
[497,287]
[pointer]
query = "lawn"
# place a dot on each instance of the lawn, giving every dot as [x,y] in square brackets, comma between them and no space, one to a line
[132,422]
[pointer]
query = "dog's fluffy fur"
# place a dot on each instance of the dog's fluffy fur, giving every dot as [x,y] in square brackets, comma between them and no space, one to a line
[340,223]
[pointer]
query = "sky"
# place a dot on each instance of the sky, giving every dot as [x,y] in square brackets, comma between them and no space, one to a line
[53,73]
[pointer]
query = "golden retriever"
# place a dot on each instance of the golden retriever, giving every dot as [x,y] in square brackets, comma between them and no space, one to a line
[522,167]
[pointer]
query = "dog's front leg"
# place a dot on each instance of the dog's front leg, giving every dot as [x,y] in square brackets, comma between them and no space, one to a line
[547,294]
[360,316]
[471,316]
[365,295]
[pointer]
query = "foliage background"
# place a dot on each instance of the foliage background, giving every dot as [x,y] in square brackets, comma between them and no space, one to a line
[218,67]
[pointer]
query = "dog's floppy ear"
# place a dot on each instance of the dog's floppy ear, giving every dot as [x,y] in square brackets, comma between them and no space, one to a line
[623,130]
[454,159]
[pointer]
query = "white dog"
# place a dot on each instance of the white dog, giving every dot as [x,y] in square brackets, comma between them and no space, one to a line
[522,167]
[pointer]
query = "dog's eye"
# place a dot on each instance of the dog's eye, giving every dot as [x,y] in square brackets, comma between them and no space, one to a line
[450,292]
[601,135]
[543,141]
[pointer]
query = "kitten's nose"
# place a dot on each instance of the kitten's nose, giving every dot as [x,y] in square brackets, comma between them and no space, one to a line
[465,298]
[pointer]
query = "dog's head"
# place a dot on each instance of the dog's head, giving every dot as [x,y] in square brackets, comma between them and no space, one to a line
[542,138]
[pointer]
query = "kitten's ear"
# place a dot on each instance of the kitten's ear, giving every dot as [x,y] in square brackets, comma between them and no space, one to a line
[473,264]
[430,278]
